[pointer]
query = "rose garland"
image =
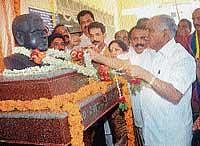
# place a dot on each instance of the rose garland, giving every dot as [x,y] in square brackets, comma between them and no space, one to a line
[136,85]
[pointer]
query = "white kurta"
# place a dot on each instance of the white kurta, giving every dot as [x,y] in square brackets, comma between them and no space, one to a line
[166,124]
[85,41]
[144,60]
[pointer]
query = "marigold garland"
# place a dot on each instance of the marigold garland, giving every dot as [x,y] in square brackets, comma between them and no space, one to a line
[128,113]
[68,103]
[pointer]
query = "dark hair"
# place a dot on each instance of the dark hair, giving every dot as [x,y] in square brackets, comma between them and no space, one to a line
[123,30]
[53,36]
[121,45]
[188,22]
[83,13]
[97,25]
[130,31]
[142,22]
[59,25]
[142,27]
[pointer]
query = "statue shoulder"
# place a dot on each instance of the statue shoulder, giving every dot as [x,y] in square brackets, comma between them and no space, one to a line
[18,61]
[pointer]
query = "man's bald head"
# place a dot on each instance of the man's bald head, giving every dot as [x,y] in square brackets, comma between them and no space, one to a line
[162,28]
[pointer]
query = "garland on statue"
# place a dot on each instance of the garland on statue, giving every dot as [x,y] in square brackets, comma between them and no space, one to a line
[54,60]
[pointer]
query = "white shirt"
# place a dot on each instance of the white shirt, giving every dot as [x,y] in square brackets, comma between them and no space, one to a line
[85,41]
[144,60]
[166,124]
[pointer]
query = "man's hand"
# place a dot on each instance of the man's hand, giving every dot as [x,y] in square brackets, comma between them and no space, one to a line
[136,71]
[132,70]
[37,56]
[196,124]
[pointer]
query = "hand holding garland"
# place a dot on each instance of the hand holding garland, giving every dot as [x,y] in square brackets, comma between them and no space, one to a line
[164,89]
[111,62]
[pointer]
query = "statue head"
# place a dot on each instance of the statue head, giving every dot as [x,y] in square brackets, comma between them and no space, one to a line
[29,31]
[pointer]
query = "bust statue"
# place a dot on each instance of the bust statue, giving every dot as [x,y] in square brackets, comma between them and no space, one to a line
[29,32]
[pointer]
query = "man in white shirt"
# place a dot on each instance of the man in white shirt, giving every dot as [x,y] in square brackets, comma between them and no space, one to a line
[166,106]
[140,55]
[166,101]
[97,33]
[85,17]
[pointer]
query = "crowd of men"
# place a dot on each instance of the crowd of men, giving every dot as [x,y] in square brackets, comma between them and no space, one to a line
[166,58]
[151,48]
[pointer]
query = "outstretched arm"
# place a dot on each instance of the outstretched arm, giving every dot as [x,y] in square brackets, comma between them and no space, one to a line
[111,62]
[164,89]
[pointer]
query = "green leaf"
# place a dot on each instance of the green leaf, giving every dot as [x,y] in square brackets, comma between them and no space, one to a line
[111,75]
[120,106]
[125,106]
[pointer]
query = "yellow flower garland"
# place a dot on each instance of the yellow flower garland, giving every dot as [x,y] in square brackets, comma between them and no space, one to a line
[128,113]
[67,103]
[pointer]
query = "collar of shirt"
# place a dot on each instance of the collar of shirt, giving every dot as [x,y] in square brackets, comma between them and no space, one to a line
[132,51]
[166,50]
[84,36]
[103,50]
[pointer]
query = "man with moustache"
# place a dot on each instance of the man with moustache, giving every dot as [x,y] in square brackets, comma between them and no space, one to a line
[85,17]
[97,33]
[138,50]
[56,41]
[139,54]
[194,50]
[166,98]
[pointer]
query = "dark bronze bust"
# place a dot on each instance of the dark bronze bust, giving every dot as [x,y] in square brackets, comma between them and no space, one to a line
[29,32]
